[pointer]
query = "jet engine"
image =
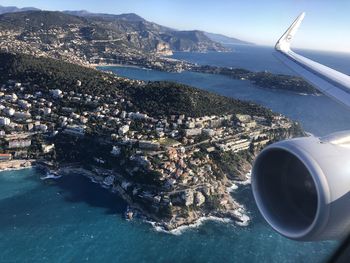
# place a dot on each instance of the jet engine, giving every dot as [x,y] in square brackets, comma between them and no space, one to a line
[302,186]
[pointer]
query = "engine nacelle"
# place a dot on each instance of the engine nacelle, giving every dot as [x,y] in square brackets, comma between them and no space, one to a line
[302,186]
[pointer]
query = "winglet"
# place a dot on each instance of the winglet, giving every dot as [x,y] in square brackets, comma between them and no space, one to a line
[283,44]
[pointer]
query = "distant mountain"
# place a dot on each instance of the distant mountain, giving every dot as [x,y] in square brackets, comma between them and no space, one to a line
[13,9]
[110,32]
[194,40]
[32,21]
[131,17]
[225,39]
[149,32]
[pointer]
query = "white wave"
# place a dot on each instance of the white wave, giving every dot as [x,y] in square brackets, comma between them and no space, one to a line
[181,229]
[245,220]
[247,181]
[16,169]
[50,176]
[232,188]
[241,213]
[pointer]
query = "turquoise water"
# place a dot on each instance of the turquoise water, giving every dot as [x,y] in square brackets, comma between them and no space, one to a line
[74,220]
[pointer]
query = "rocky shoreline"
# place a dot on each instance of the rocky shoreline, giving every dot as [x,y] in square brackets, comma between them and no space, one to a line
[237,214]
[16,165]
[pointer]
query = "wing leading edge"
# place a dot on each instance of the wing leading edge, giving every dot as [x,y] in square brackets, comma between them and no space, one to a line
[327,80]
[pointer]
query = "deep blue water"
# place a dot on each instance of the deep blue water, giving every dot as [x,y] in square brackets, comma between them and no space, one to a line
[318,114]
[259,58]
[73,220]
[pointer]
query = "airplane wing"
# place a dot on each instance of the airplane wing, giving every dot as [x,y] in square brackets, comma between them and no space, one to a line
[327,80]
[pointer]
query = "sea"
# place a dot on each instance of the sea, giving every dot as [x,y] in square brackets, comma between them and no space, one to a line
[71,219]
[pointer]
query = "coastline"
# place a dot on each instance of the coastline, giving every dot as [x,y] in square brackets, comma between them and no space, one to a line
[181,229]
[240,213]
[117,65]
[95,66]
[15,165]
[237,216]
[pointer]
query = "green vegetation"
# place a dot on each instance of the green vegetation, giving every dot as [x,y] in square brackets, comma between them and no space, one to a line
[49,74]
[213,203]
[150,178]
[155,98]
[278,81]
[263,79]
[166,98]
[231,163]
[38,20]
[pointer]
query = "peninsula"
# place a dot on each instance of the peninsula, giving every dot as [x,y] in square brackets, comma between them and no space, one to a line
[170,150]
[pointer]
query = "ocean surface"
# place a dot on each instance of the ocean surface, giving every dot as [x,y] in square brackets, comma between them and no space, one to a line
[74,220]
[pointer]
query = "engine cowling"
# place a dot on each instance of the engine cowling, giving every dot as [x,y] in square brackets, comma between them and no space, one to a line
[302,186]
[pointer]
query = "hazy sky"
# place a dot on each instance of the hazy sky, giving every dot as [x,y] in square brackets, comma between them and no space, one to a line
[326,25]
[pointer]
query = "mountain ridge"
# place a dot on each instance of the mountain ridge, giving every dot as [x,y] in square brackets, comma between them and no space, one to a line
[125,16]
[226,40]
[13,9]
[129,17]
[142,35]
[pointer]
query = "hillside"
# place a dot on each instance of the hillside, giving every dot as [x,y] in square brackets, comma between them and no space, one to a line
[117,132]
[131,17]
[222,39]
[191,41]
[111,32]
[166,98]
[34,21]
[154,98]
[188,41]
[13,9]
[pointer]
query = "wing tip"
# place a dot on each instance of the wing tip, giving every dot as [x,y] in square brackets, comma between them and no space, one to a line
[283,44]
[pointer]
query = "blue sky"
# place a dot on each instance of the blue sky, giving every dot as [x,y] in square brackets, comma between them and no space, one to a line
[326,26]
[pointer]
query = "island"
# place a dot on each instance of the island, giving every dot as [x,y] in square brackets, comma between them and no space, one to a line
[171,151]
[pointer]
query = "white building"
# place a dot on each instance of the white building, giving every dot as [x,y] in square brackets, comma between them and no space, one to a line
[9,111]
[193,132]
[46,111]
[24,104]
[123,114]
[56,93]
[123,130]
[46,148]
[4,121]
[76,130]
[11,97]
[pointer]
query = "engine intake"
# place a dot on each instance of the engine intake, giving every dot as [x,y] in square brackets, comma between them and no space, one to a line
[301,187]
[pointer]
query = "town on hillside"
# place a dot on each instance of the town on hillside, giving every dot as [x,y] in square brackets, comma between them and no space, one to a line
[173,168]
